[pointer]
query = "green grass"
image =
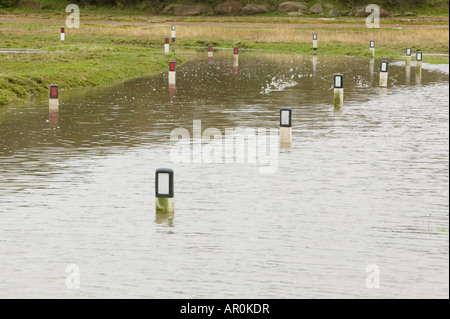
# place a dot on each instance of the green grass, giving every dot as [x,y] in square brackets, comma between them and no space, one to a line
[74,66]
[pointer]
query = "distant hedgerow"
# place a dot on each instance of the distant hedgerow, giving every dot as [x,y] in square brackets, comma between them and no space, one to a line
[8,3]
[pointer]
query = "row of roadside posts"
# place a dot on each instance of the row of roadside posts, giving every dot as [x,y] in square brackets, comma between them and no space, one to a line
[164,177]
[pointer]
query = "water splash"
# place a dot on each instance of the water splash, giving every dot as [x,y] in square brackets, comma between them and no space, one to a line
[278,84]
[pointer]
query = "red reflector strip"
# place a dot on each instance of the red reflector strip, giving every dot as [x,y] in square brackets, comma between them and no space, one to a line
[235,50]
[172,66]
[54,92]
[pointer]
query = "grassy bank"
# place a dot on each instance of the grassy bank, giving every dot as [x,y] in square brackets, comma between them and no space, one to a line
[80,63]
[99,54]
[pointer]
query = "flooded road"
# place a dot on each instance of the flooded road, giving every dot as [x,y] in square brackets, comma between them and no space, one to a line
[362,192]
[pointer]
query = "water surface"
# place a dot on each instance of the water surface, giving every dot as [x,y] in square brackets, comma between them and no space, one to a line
[365,185]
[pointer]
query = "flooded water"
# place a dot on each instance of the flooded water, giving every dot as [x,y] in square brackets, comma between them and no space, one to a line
[359,199]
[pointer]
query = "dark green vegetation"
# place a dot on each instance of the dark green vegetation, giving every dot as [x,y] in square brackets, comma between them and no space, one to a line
[415,7]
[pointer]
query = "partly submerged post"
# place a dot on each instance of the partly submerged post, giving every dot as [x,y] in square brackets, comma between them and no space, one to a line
[315,41]
[285,125]
[166,46]
[408,56]
[235,59]
[172,76]
[173,33]
[53,103]
[372,48]
[164,190]
[384,74]
[338,91]
[210,53]
[172,72]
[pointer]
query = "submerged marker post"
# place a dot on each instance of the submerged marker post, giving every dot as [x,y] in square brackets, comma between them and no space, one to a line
[235,59]
[164,190]
[166,46]
[173,33]
[338,91]
[172,72]
[285,125]
[408,56]
[315,41]
[172,75]
[384,70]
[53,103]
[210,51]
[372,48]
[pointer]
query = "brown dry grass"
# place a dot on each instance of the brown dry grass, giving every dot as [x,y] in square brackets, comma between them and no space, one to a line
[429,38]
[352,36]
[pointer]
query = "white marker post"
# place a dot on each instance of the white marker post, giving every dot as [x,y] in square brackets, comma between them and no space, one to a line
[285,126]
[235,59]
[338,91]
[172,72]
[210,51]
[172,75]
[419,56]
[166,46]
[372,49]
[408,56]
[63,34]
[384,70]
[173,33]
[53,104]
[164,190]
[315,41]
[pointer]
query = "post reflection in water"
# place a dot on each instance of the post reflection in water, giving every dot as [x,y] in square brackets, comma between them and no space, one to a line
[408,74]
[418,73]
[372,71]
[172,88]
[235,61]
[54,118]
[165,218]
[314,66]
